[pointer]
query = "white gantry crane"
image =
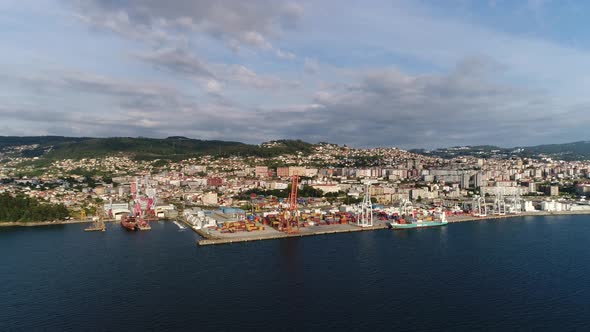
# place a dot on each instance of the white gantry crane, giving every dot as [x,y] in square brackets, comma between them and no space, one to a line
[406,208]
[515,204]
[499,202]
[366,217]
[479,206]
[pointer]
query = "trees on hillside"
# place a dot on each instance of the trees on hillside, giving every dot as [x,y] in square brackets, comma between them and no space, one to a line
[26,209]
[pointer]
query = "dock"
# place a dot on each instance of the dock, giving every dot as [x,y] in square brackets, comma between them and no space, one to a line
[95,229]
[272,234]
[212,237]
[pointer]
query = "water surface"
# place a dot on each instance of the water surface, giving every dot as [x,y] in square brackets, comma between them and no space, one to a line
[521,273]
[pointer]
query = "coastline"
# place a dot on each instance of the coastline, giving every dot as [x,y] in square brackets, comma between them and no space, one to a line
[455,219]
[208,240]
[41,223]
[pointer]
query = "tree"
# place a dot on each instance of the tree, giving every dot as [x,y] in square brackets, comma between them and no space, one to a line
[26,209]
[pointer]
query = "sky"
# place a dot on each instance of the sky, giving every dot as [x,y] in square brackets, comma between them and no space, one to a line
[410,74]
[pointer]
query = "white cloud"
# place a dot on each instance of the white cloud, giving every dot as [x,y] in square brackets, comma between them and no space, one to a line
[214,86]
[249,23]
[285,55]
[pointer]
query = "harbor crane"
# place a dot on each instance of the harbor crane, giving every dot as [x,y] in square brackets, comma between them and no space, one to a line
[499,202]
[290,217]
[366,217]
[479,206]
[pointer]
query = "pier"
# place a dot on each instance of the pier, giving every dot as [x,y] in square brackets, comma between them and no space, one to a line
[307,231]
[212,237]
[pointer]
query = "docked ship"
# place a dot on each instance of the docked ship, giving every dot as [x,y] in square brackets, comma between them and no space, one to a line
[401,223]
[129,223]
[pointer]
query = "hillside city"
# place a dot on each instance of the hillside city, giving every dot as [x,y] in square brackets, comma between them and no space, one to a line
[330,175]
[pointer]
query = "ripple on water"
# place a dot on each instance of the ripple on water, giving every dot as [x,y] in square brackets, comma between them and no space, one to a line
[511,274]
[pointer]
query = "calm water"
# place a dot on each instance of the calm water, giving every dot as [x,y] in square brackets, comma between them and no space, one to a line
[524,273]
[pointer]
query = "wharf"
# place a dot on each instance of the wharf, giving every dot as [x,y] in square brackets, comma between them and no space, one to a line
[211,237]
[455,219]
[274,234]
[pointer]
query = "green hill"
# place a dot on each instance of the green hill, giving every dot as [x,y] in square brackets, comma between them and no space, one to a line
[176,147]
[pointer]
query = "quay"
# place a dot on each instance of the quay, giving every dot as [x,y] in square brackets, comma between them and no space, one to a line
[456,219]
[212,237]
[274,234]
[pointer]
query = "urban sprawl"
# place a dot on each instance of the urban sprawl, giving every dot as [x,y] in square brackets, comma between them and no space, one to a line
[215,191]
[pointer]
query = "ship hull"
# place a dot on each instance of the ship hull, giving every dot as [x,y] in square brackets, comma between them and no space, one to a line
[128,225]
[418,225]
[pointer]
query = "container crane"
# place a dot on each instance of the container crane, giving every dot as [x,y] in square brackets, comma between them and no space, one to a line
[290,217]
[366,217]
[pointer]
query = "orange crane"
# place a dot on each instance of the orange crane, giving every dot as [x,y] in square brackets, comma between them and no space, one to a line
[291,215]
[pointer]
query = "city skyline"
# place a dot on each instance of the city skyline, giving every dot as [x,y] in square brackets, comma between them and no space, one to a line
[405,74]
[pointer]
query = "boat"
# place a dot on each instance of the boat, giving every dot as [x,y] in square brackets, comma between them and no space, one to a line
[181,226]
[143,225]
[129,223]
[417,224]
[401,223]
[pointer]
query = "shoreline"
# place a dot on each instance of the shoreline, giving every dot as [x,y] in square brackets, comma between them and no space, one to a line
[452,220]
[41,223]
[49,223]
[208,240]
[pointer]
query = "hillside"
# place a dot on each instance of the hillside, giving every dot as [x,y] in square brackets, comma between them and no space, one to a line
[177,147]
[566,151]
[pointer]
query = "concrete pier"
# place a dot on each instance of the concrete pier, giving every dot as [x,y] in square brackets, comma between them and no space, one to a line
[308,231]
[211,237]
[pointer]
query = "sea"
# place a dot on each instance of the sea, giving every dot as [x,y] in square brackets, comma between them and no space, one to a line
[525,273]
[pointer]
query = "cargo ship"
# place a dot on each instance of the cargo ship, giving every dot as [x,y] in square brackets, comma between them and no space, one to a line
[402,223]
[129,223]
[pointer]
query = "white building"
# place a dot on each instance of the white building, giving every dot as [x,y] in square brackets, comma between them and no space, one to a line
[209,198]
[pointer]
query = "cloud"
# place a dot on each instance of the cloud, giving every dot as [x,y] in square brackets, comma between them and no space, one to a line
[311,66]
[95,84]
[214,86]
[177,60]
[250,23]
[387,107]
[385,73]
[285,55]
[376,107]
[248,78]
[181,61]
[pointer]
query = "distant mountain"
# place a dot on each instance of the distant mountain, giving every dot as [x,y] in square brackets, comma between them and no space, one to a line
[482,151]
[175,147]
[566,151]
[180,147]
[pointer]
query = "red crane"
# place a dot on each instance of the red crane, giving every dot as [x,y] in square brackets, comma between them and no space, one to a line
[291,216]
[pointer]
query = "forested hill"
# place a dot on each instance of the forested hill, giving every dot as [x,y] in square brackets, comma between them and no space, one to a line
[26,209]
[177,147]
